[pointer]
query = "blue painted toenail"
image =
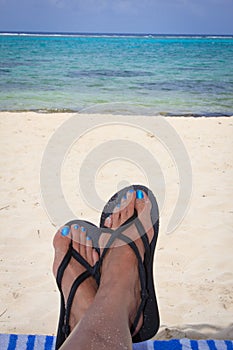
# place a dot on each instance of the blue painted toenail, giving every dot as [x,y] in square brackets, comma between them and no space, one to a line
[83,229]
[88,238]
[65,231]
[75,227]
[125,197]
[118,205]
[139,194]
[131,191]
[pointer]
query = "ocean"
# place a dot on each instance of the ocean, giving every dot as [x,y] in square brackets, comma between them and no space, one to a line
[119,74]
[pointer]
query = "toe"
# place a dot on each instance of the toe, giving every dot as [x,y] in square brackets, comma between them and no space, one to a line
[116,216]
[108,222]
[61,244]
[62,238]
[143,208]
[75,237]
[95,256]
[123,210]
[131,195]
[140,201]
[83,235]
[89,248]
[127,206]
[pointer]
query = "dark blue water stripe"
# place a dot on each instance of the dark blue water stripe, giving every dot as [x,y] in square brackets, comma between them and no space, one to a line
[30,342]
[211,344]
[168,345]
[12,342]
[194,344]
[229,344]
[48,342]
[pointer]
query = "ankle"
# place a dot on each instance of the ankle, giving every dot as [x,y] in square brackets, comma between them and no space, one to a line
[121,291]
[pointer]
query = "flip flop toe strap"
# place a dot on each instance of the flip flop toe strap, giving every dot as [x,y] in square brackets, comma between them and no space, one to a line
[80,279]
[93,270]
[62,268]
[82,261]
[90,271]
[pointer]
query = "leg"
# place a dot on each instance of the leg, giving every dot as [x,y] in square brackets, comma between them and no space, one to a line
[107,322]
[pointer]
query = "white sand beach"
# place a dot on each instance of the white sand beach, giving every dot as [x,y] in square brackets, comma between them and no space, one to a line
[193,266]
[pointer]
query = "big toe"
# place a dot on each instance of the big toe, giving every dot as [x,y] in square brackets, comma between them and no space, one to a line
[142,202]
[61,244]
[143,207]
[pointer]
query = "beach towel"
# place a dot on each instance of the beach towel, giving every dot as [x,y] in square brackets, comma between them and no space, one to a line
[47,342]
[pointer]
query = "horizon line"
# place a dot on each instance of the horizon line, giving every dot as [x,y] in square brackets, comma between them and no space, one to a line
[109,33]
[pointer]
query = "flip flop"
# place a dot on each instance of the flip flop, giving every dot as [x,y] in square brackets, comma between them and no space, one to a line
[63,324]
[148,305]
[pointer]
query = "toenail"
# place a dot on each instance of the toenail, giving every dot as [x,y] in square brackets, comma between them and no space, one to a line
[125,197]
[83,229]
[75,227]
[131,191]
[118,205]
[88,238]
[65,231]
[139,194]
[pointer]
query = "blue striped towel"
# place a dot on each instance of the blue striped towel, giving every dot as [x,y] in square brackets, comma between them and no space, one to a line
[47,342]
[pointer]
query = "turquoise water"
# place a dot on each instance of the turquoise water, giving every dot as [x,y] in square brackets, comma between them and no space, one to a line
[117,74]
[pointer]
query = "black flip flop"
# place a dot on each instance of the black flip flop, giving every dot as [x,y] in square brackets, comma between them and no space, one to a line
[63,325]
[148,305]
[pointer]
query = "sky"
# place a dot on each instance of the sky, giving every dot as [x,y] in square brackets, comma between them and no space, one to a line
[118,16]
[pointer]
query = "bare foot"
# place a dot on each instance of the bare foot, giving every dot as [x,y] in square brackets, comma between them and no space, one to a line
[120,265]
[86,291]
